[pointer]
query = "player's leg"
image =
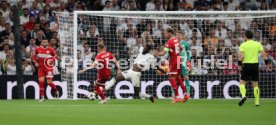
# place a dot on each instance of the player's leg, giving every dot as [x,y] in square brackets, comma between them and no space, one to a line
[172,79]
[256,92]
[244,77]
[138,93]
[181,84]
[188,87]
[187,84]
[187,81]
[185,74]
[173,94]
[136,82]
[120,77]
[255,79]
[180,81]
[97,88]
[242,88]
[49,77]
[186,77]
[41,80]
[53,86]
[183,87]
[242,92]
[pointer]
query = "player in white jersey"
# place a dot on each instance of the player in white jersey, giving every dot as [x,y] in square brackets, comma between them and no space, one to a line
[142,63]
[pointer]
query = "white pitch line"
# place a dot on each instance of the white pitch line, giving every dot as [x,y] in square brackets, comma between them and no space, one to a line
[79,105]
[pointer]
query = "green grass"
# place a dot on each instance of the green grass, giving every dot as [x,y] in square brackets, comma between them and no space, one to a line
[136,112]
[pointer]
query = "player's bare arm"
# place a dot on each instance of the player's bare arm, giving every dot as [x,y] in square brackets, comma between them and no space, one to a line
[241,55]
[93,65]
[161,70]
[265,58]
[264,55]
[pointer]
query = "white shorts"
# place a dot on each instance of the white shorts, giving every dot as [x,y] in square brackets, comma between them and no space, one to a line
[133,76]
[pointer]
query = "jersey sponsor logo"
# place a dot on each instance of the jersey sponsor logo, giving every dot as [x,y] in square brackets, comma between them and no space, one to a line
[44,56]
[49,62]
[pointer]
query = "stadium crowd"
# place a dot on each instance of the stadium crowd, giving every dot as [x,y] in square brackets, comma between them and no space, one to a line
[208,38]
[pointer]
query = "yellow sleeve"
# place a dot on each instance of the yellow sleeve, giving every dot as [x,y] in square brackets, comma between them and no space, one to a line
[261,48]
[241,48]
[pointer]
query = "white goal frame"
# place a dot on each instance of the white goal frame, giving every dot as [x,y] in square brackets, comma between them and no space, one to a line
[135,13]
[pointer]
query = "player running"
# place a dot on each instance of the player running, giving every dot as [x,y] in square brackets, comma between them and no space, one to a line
[142,63]
[101,62]
[186,63]
[44,58]
[173,47]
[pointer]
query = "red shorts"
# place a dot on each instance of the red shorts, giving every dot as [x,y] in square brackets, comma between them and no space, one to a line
[175,69]
[102,80]
[45,72]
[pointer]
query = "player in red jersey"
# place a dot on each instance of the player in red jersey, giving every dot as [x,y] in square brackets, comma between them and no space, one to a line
[101,62]
[173,47]
[44,58]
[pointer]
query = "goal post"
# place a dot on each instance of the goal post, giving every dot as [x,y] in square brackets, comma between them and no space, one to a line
[214,38]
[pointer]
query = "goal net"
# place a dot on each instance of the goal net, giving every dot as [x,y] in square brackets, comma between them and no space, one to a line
[214,39]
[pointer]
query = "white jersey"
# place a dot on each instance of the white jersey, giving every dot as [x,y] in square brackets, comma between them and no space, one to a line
[146,60]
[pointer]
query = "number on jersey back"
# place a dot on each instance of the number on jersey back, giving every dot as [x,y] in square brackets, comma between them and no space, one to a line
[174,48]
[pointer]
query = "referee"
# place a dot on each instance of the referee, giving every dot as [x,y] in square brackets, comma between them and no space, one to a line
[249,64]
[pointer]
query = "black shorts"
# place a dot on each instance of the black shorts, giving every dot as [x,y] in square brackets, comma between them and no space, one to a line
[250,72]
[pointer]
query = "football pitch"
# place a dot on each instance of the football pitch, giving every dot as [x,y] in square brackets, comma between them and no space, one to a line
[136,112]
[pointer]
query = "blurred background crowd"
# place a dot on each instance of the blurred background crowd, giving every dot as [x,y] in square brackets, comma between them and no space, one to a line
[218,39]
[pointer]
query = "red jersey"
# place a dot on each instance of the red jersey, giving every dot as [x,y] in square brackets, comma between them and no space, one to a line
[174,49]
[45,57]
[103,60]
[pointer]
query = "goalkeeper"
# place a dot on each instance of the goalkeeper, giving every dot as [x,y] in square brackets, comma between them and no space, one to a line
[249,66]
[185,56]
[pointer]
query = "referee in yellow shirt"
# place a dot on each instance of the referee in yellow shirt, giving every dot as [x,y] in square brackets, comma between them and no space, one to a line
[249,64]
